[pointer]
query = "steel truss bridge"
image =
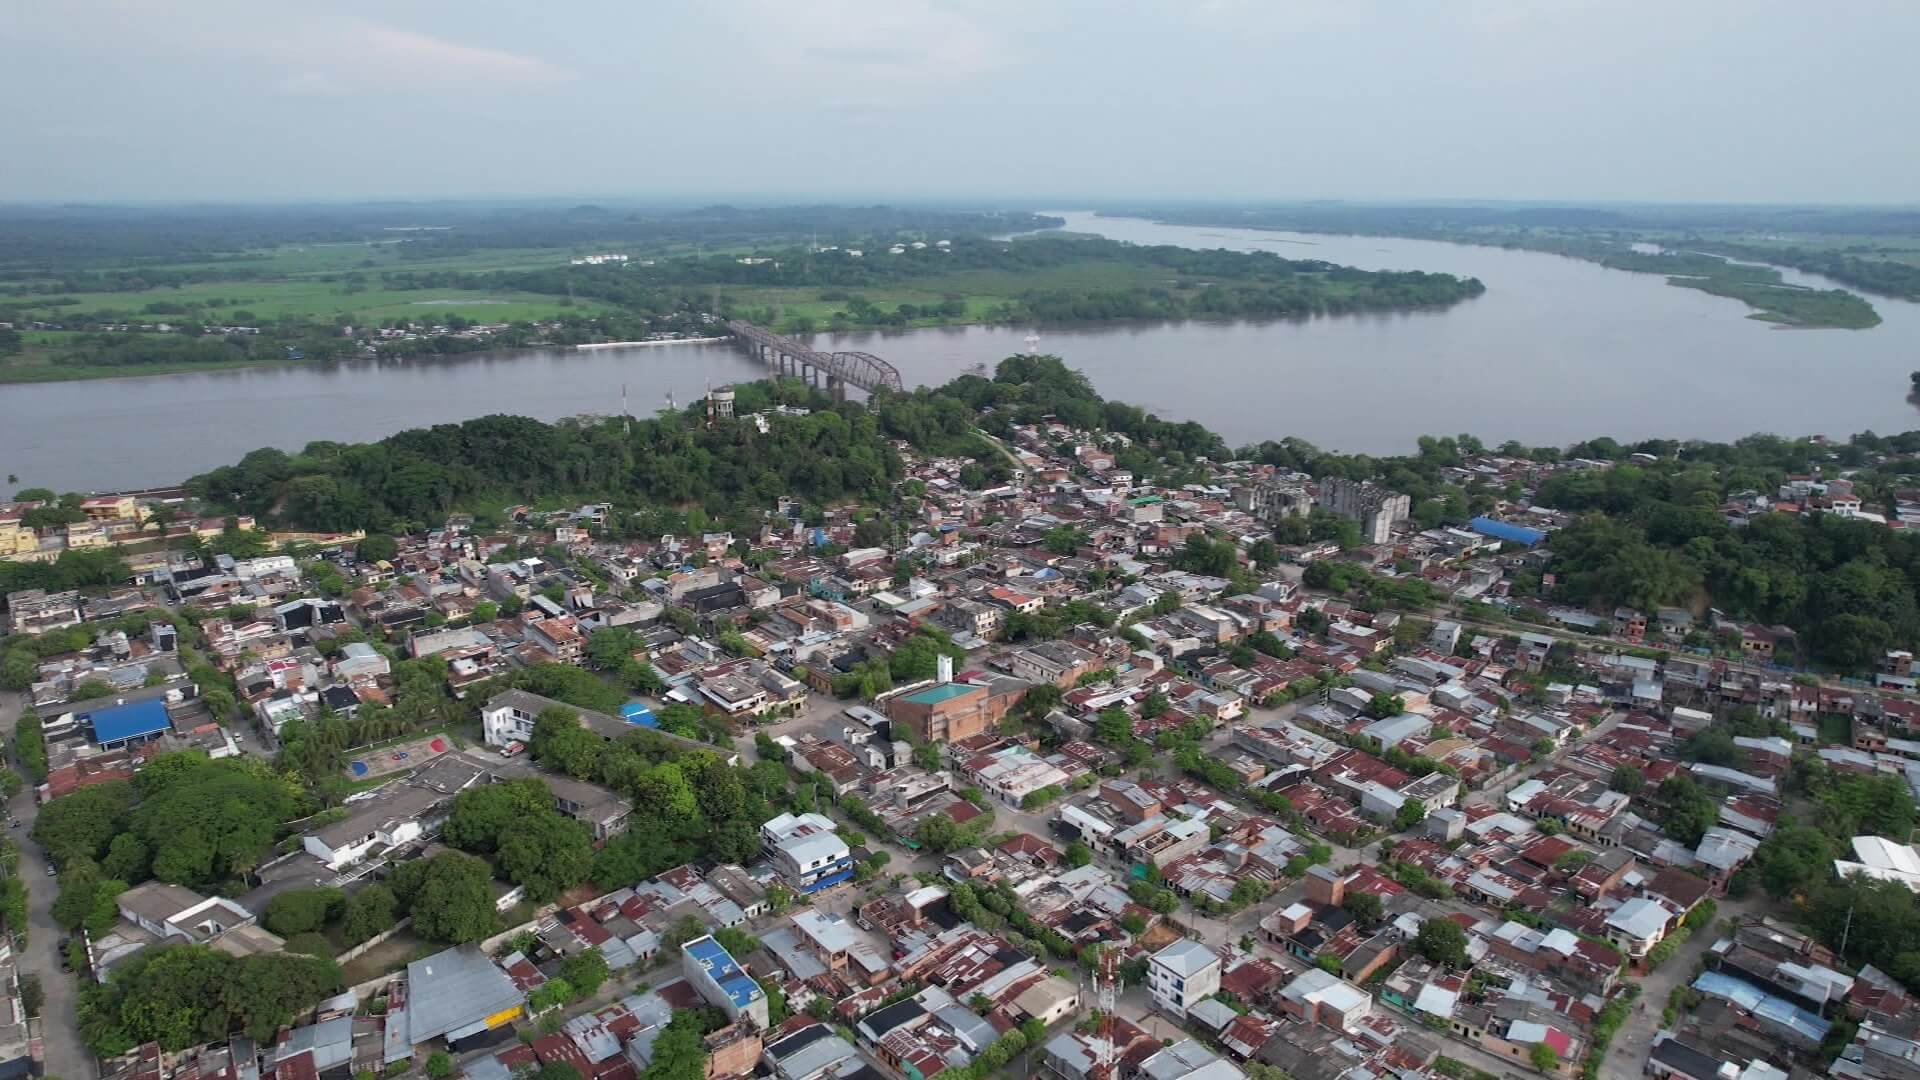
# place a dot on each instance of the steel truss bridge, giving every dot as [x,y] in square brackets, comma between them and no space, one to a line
[837,370]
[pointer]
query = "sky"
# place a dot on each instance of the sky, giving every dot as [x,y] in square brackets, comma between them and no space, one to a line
[1594,100]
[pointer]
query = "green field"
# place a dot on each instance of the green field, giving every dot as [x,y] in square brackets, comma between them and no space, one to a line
[299,297]
[986,292]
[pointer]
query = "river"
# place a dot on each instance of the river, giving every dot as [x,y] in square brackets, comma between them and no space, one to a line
[1556,350]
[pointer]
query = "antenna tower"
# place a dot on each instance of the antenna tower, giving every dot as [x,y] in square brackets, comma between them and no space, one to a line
[1106,995]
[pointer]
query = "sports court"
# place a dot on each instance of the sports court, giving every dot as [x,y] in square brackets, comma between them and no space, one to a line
[397,758]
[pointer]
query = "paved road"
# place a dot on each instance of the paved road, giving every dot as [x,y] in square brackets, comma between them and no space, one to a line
[66,1055]
[1628,1054]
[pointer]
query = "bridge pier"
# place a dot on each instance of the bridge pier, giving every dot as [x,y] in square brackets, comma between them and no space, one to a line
[783,356]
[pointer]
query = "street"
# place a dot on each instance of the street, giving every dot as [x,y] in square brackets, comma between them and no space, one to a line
[66,1055]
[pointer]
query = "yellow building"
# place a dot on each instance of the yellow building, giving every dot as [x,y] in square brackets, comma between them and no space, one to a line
[108,507]
[16,539]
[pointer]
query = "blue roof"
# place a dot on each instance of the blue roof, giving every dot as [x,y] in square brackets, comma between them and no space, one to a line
[1500,530]
[740,990]
[136,719]
[635,712]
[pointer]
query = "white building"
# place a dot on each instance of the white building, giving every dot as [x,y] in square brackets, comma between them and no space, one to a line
[720,980]
[397,816]
[806,851]
[1182,975]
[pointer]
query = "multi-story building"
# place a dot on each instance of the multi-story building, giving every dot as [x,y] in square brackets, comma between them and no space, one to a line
[720,979]
[1054,662]
[1280,497]
[35,611]
[943,712]
[806,851]
[1182,975]
[1372,506]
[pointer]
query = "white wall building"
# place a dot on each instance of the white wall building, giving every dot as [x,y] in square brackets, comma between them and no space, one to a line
[1182,975]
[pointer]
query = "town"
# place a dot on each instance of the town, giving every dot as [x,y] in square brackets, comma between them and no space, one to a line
[1056,768]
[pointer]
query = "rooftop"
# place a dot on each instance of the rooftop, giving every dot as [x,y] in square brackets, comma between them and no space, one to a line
[721,968]
[453,989]
[934,695]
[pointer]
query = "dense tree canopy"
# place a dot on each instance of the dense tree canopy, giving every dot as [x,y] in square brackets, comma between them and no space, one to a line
[184,995]
[418,476]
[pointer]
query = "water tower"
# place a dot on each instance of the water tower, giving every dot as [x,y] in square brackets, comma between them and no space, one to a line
[720,404]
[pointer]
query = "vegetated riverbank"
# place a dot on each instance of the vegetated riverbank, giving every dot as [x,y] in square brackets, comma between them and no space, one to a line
[1890,275]
[189,320]
[1759,287]
[972,279]
[1596,236]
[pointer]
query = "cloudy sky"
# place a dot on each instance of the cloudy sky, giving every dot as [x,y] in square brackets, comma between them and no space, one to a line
[1698,100]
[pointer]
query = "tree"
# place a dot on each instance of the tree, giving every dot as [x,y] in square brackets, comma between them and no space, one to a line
[1543,1057]
[1366,908]
[482,815]
[610,647]
[81,825]
[183,995]
[585,971]
[1078,854]
[87,901]
[438,1065]
[1411,813]
[298,911]
[679,1052]
[1063,539]
[547,853]
[1442,941]
[1687,811]
[1627,779]
[454,903]
[128,858]
[1381,706]
[369,912]
[375,547]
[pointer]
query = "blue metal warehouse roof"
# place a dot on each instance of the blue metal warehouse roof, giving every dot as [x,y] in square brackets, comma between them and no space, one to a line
[1500,530]
[136,719]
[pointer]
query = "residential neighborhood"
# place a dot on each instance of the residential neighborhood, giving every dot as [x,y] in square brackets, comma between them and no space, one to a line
[1065,773]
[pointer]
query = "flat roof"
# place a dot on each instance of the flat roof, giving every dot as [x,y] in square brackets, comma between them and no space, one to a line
[934,695]
[723,970]
[135,719]
[453,989]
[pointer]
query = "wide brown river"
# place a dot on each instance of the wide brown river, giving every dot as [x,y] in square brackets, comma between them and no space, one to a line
[1556,350]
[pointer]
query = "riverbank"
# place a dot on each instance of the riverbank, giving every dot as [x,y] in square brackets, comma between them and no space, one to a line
[590,346]
[55,371]
[1557,348]
[1758,285]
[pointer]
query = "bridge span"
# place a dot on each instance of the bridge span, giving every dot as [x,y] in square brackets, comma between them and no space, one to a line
[785,356]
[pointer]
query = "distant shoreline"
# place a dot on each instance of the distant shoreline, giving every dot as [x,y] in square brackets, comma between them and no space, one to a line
[636,344]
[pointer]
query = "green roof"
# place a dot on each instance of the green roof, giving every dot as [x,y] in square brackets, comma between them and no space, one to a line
[934,695]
